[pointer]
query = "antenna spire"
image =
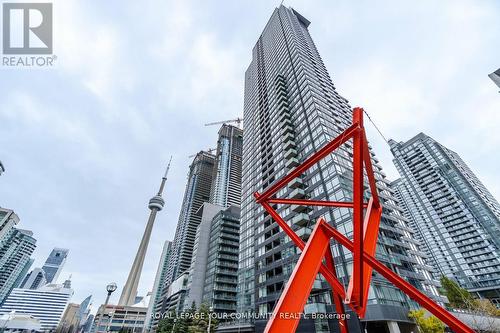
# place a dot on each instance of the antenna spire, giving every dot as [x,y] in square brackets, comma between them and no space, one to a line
[168,168]
[164,179]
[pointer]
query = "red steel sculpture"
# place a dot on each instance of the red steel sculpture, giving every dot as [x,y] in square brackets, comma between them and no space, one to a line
[316,254]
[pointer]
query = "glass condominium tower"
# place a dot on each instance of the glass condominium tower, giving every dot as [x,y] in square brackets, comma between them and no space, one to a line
[226,180]
[197,192]
[291,110]
[54,264]
[455,216]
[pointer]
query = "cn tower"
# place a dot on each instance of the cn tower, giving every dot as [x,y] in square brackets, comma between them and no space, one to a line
[155,205]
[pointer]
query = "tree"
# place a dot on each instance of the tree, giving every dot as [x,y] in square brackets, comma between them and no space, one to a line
[483,311]
[487,307]
[429,324]
[191,321]
[459,297]
[200,323]
[170,324]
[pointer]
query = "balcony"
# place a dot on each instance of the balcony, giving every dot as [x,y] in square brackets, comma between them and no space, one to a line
[224,306]
[225,288]
[292,162]
[225,280]
[284,116]
[317,284]
[226,271]
[288,137]
[290,144]
[287,129]
[315,308]
[227,249]
[299,208]
[301,219]
[282,102]
[298,193]
[304,233]
[286,122]
[295,183]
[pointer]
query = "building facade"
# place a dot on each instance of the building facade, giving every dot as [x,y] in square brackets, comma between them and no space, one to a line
[455,217]
[70,321]
[8,219]
[34,279]
[75,316]
[120,318]
[291,110]
[14,323]
[495,77]
[156,295]
[54,264]
[226,181]
[46,304]
[198,269]
[197,192]
[175,296]
[221,275]
[16,247]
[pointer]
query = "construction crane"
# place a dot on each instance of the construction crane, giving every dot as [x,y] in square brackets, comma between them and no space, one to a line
[209,150]
[237,120]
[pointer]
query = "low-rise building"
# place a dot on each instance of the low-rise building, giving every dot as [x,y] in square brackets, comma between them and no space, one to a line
[129,318]
[46,304]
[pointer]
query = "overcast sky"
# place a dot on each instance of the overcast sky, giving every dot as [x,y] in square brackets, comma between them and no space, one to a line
[85,144]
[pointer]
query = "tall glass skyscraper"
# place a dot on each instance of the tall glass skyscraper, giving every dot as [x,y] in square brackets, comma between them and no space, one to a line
[213,222]
[16,247]
[197,192]
[34,279]
[291,110]
[456,218]
[156,295]
[226,182]
[495,77]
[54,264]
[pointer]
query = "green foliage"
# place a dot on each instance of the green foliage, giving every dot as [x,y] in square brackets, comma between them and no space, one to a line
[485,306]
[459,297]
[429,324]
[169,324]
[191,321]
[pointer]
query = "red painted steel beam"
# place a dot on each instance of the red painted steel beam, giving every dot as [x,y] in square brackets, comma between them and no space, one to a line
[306,202]
[338,300]
[355,294]
[287,312]
[319,155]
[402,284]
[371,227]
[369,172]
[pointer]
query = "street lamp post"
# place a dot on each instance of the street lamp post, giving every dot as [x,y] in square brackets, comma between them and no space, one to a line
[210,309]
[173,327]
[110,288]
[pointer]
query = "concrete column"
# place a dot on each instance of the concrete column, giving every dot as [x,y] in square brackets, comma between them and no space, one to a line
[393,327]
[130,289]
